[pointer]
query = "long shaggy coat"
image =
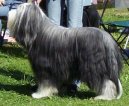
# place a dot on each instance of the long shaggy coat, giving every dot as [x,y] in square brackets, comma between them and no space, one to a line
[59,55]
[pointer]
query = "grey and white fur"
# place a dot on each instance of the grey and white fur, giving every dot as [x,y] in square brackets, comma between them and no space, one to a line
[59,55]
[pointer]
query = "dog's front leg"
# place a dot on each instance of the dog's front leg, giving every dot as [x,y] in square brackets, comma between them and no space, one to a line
[45,89]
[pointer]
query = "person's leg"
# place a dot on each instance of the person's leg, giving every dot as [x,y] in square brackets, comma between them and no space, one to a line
[74,19]
[3,12]
[0,26]
[54,10]
[74,13]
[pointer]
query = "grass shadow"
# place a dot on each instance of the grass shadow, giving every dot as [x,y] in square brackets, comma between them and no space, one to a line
[85,94]
[79,94]
[24,89]
[28,89]
[16,74]
[20,89]
[13,50]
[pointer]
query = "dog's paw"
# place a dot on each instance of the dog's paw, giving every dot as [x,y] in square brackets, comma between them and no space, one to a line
[37,95]
[101,97]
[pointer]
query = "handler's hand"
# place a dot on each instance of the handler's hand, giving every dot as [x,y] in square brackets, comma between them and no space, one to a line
[2,2]
[38,1]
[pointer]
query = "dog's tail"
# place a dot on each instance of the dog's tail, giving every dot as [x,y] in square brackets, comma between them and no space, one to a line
[114,62]
[120,90]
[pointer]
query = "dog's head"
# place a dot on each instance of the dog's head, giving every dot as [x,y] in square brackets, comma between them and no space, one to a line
[13,15]
[24,22]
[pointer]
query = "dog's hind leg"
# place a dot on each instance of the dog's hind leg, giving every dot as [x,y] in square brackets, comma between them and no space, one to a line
[109,91]
[45,89]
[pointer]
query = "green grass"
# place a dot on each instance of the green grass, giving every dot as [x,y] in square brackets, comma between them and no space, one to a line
[112,14]
[16,79]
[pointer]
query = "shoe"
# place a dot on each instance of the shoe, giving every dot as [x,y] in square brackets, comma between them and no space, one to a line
[11,40]
[72,88]
[8,38]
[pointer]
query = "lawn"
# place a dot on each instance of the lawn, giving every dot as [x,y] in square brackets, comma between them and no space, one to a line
[16,79]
